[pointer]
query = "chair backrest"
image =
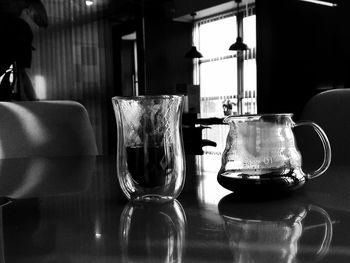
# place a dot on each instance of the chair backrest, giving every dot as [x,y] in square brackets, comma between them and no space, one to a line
[331,111]
[45,128]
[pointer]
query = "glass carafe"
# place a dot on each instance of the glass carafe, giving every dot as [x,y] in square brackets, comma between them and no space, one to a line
[261,155]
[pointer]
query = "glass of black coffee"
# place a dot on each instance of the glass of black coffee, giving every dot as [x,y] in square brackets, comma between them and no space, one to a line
[150,156]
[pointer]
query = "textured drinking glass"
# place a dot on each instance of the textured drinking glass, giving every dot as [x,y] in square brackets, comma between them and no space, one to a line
[150,153]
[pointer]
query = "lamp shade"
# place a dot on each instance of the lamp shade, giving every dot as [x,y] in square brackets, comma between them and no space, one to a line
[238,45]
[193,53]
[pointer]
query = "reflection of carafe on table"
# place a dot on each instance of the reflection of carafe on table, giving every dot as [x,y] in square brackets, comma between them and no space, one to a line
[272,231]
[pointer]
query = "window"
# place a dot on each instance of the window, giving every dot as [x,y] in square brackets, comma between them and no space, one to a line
[226,78]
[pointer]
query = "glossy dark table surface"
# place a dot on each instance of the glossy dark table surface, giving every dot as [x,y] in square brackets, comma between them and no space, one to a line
[72,210]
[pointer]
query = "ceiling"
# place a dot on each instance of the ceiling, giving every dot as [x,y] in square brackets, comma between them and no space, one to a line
[119,11]
[217,9]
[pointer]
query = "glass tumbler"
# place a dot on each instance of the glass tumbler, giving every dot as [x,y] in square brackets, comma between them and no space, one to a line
[150,154]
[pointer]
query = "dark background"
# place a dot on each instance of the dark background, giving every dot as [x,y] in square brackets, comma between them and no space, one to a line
[302,49]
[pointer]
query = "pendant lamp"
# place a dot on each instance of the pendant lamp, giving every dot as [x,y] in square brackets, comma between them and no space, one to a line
[238,45]
[193,52]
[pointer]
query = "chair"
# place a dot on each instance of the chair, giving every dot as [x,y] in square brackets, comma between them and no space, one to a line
[331,111]
[45,128]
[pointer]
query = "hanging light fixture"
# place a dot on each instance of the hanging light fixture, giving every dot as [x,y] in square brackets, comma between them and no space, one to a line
[193,52]
[238,45]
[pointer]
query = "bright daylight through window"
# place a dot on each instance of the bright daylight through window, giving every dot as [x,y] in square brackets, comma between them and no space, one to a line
[227,78]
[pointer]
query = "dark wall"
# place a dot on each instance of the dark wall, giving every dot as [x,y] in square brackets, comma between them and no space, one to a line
[161,47]
[166,65]
[166,42]
[301,48]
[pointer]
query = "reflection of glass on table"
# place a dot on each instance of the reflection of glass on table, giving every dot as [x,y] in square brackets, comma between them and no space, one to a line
[153,232]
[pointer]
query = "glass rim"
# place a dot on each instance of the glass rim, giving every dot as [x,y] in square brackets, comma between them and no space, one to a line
[258,116]
[149,97]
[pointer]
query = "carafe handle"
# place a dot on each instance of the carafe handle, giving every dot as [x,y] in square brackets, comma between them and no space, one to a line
[326,149]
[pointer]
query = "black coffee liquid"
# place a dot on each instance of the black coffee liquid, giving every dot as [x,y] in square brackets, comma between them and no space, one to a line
[267,183]
[147,166]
